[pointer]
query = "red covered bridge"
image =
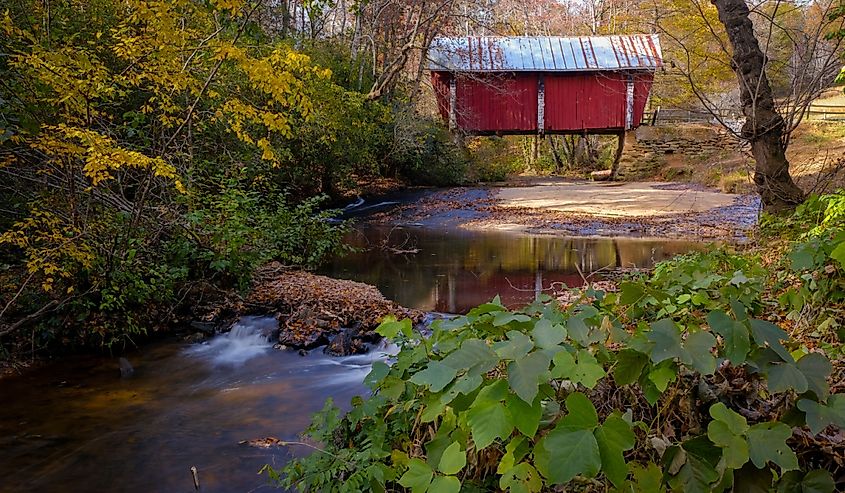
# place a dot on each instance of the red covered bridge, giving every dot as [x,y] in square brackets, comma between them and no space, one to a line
[537,85]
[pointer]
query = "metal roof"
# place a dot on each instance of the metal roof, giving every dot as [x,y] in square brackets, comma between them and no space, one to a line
[545,54]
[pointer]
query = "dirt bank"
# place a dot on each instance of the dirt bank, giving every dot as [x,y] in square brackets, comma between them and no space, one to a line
[581,208]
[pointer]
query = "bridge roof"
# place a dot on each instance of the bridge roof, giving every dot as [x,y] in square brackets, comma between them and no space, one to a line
[545,53]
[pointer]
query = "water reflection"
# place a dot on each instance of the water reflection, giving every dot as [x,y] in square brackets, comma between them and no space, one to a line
[456,270]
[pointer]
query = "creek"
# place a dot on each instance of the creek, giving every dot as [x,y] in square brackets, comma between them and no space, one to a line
[76,425]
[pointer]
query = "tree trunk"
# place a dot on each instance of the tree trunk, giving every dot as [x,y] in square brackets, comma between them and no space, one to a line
[763,126]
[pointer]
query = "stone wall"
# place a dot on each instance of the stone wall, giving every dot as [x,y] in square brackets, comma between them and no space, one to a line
[648,149]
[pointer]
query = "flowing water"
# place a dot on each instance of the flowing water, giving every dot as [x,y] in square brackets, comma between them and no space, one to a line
[76,426]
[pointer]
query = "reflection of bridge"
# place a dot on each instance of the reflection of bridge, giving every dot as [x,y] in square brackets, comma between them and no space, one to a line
[460,291]
[539,85]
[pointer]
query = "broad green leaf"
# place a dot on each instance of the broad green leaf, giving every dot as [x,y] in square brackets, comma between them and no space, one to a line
[734,447]
[662,375]
[474,355]
[578,331]
[587,370]
[453,459]
[696,476]
[504,318]
[492,392]
[629,366]
[436,375]
[581,413]
[564,365]
[562,454]
[467,383]
[515,347]
[515,450]
[818,481]
[548,335]
[417,477]
[524,374]
[698,346]
[781,377]
[816,368]
[522,478]
[767,443]
[734,334]
[614,437]
[666,339]
[526,417]
[647,479]
[488,421]
[378,372]
[390,327]
[838,254]
[766,333]
[819,415]
[445,484]
[735,422]
[630,293]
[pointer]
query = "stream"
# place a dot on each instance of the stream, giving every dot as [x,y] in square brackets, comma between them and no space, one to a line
[76,425]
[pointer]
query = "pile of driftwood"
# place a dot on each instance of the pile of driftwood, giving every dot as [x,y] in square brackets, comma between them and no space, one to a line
[315,310]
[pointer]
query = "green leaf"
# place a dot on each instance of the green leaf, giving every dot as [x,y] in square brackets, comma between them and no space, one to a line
[378,372]
[630,293]
[818,481]
[647,479]
[524,374]
[662,375]
[734,334]
[390,327]
[666,339]
[417,477]
[767,443]
[816,368]
[562,454]
[734,447]
[548,335]
[515,450]
[436,375]
[564,365]
[582,414]
[629,366]
[767,333]
[445,484]
[578,331]
[696,476]
[453,459]
[487,421]
[781,377]
[735,422]
[516,347]
[819,415]
[474,355]
[504,318]
[614,438]
[698,346]
[587,370]
[838,254]
[522,478]
[526,417]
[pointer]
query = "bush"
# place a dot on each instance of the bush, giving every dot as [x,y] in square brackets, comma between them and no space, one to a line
[423,152]
[673,383]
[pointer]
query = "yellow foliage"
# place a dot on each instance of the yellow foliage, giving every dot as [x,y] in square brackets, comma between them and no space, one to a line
[102,156]
[53,248]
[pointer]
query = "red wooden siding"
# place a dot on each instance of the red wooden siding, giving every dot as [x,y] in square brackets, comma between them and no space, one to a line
[575,102]
[497,102]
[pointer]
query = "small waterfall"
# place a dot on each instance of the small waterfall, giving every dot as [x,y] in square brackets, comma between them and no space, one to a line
[248,338]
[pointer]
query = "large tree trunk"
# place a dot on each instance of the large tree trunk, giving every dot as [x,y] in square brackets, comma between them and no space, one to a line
[763,125]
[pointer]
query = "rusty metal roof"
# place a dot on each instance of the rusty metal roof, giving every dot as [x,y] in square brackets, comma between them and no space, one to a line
[545,54]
